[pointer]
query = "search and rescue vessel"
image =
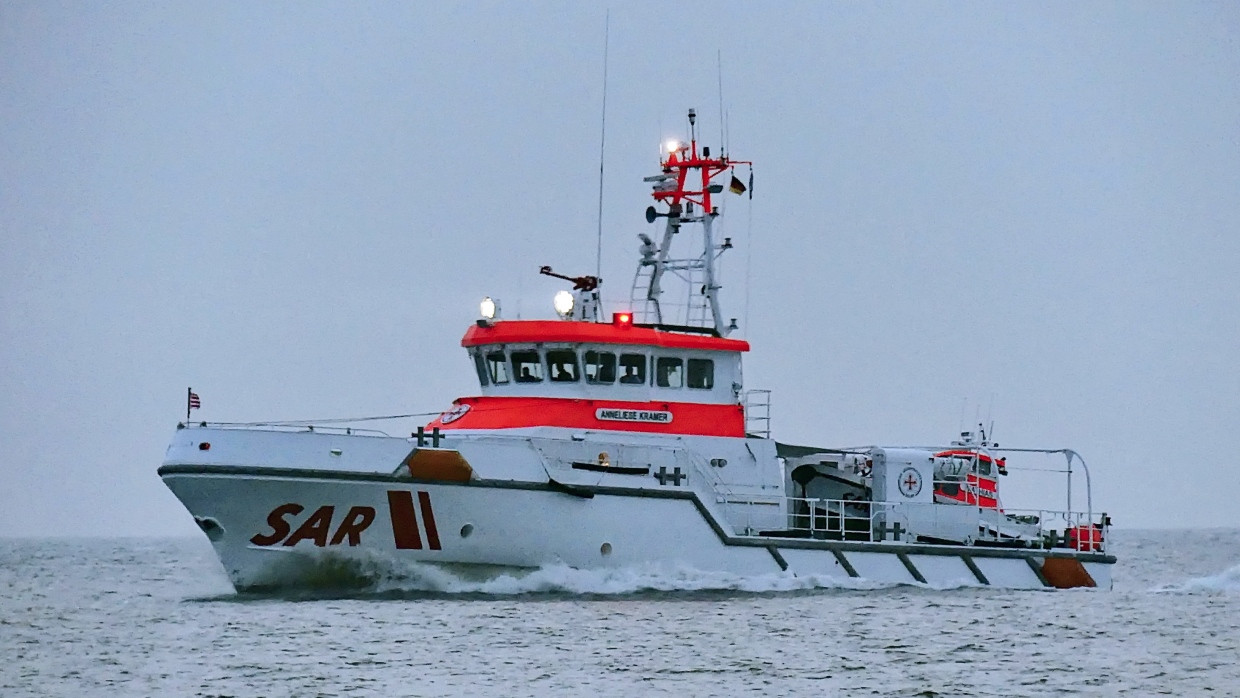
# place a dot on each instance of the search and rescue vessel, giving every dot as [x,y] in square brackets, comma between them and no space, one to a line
[629,439]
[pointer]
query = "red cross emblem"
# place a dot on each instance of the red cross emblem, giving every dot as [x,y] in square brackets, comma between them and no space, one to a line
[909,482]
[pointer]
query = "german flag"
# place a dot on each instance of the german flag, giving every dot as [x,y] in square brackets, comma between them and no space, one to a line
[736,187]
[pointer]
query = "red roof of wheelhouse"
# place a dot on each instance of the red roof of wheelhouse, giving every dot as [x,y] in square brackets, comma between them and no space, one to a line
[534,331]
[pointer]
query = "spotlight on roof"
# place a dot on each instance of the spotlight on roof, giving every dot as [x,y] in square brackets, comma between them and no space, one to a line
[489,308]
[563,304]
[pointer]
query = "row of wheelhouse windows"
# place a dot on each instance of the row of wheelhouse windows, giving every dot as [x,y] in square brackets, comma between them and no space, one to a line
[498,367]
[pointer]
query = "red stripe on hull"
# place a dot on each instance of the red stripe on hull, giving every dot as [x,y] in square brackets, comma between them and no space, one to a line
[428,518]
[687,418]
[404,520]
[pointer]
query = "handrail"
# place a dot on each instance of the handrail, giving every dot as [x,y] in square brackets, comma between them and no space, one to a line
[1068,454]
[277,426]
[757,406]
[835,515]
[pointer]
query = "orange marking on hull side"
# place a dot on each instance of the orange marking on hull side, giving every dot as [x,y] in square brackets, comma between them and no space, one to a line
[1066,573]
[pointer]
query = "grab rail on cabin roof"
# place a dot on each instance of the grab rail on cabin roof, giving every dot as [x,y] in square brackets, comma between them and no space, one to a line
[287,427]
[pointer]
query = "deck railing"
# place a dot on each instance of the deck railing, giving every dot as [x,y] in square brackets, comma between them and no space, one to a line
[286,427]
[925,522]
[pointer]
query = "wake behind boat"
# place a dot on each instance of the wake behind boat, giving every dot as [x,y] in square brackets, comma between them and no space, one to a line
[630,440]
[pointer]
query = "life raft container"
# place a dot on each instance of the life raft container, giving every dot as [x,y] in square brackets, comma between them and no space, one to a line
[1087,538]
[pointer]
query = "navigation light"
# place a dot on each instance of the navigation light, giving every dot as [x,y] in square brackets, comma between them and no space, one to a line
[672,146]
[622,319]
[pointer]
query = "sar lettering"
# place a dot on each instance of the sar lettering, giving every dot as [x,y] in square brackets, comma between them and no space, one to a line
[316,528]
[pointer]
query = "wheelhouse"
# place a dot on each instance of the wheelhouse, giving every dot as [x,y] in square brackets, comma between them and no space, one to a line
[536,358]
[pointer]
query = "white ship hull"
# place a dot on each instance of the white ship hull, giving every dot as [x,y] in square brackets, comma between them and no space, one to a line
[529,525]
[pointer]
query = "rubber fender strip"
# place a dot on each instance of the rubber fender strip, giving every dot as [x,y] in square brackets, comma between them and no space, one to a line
[839,557]
[613,469]
[912,569]
[977,571]
[569,489]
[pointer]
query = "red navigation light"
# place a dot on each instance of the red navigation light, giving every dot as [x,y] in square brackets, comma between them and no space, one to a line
[622,318]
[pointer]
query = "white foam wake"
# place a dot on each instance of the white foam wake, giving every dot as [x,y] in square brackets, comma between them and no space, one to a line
[382,576]
[559,579]
[1227,581]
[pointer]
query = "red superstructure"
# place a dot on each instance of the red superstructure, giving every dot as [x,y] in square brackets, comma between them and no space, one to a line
[687,418]
[540,331]
[612,377]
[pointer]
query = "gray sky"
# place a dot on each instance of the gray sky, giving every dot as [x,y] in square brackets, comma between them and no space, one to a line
[295,208]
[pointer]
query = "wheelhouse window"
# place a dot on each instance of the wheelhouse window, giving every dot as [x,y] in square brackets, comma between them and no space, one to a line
[669,372]
[562,365]
[526,367]
[497,368]
[633,369]
[600,367]
[480,364]
[701,373]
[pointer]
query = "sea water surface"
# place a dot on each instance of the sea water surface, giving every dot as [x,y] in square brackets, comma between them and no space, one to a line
[138,617]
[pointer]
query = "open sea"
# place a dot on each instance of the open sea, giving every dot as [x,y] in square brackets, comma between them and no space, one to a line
[157,617]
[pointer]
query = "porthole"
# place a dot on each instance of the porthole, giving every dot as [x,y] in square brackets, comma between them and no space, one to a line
[467,530]
[605,549]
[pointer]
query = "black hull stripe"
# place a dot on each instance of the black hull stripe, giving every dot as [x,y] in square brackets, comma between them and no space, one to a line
[779,559]
[839,557]
[977,572]
[1036,566]
[1031,554]
[912,569]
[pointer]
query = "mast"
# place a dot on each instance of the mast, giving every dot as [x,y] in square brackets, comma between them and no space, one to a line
[685,188]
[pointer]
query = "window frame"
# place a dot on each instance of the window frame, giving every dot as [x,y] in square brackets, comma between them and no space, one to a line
[675,364]
[480,366]
[710,373]
[576,366]
[983,468]
[641,369]
[538,363]
[503,362]
[601,366]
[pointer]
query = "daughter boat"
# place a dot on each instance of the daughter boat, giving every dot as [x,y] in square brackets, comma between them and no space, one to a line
[629,440]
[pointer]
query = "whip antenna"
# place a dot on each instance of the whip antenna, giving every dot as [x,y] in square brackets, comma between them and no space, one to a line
[719,65]
[602,143]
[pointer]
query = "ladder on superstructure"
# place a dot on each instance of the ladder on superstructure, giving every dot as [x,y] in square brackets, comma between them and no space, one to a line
[693,312]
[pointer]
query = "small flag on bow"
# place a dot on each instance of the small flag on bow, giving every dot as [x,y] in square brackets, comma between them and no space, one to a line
[736,187]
